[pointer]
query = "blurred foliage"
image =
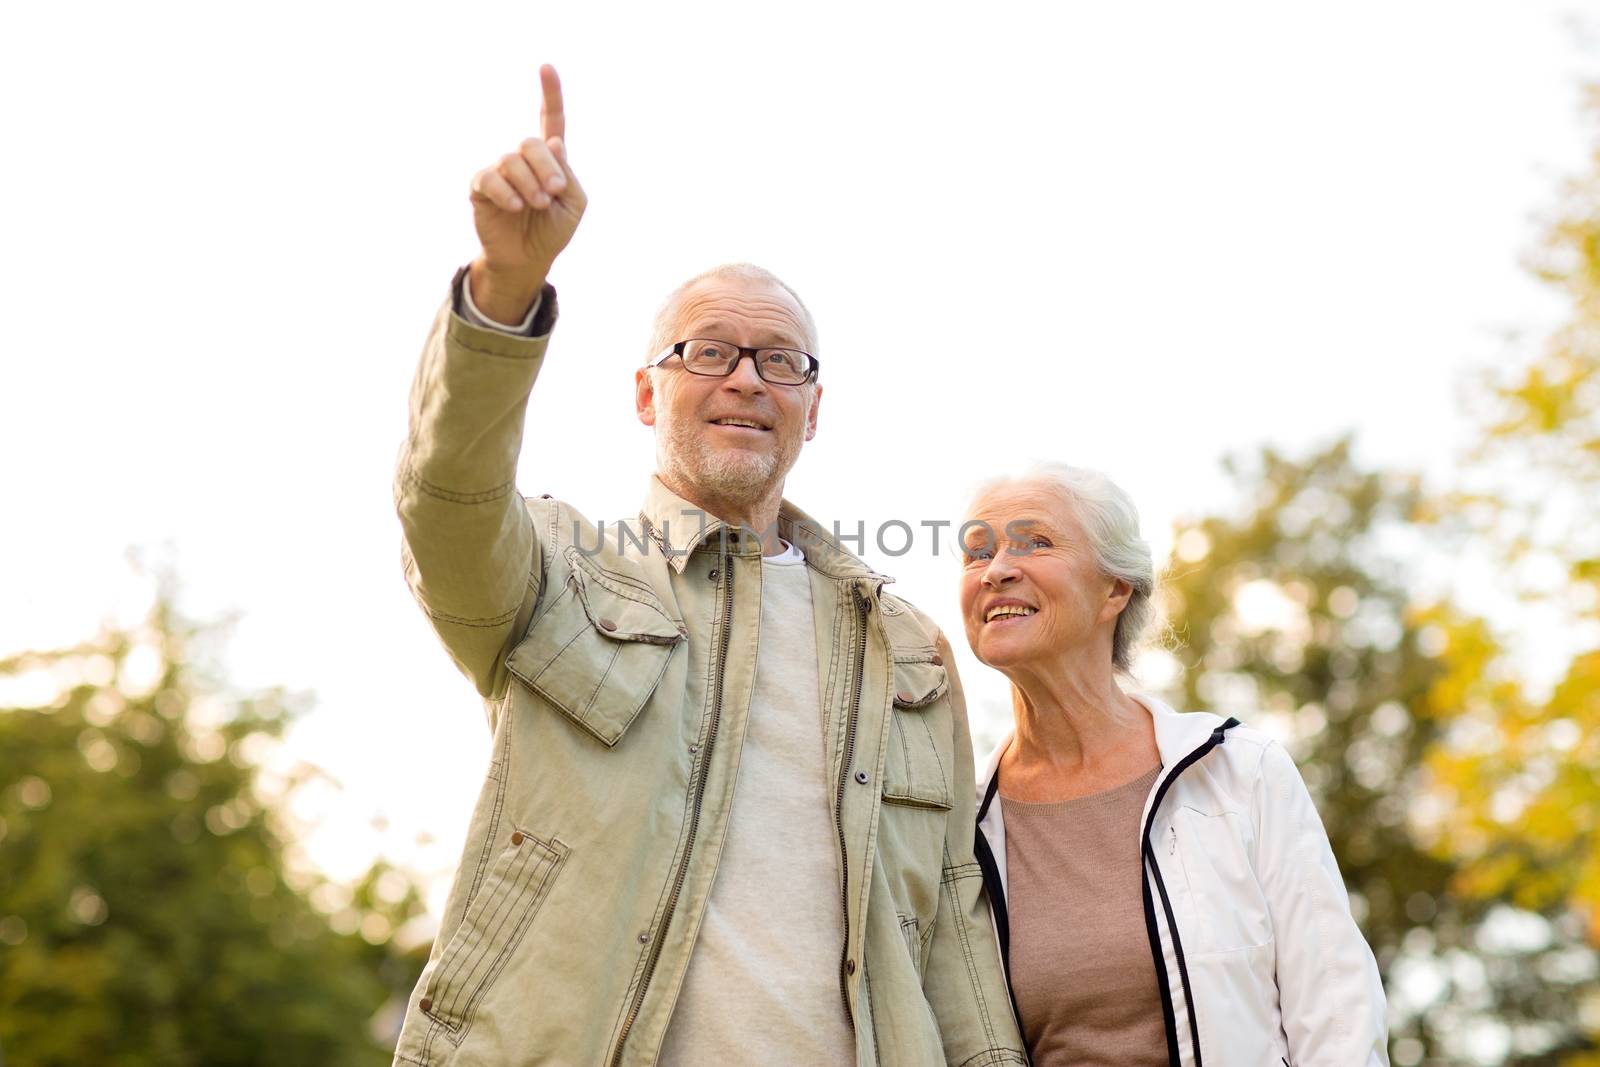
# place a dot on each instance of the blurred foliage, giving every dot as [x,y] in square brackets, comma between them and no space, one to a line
[1519,755]
[1296,616]
[1454,760]
[148,911]
[1548,408]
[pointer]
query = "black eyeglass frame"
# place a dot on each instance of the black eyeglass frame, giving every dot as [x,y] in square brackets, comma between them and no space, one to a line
[677,350]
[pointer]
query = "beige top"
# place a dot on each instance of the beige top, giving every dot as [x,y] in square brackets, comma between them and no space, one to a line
[763,981]
[1081,969]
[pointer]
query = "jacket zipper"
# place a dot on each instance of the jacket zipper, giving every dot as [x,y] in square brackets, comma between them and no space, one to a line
[1154,933]
[862,607]
[694,822]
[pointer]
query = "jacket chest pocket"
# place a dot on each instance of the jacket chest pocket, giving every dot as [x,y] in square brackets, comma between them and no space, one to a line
[916,769]
[916,794]
[491,928]
[1230,909]
[598,652]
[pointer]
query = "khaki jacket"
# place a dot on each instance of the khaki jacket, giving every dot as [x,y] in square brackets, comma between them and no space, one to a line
[616,665]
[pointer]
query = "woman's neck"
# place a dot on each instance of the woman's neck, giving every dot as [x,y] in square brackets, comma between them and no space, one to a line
[1077,733]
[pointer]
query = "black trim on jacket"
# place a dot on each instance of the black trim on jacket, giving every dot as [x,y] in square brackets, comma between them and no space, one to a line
[997,905]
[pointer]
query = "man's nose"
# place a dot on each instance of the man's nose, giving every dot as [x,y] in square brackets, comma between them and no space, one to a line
[743,377]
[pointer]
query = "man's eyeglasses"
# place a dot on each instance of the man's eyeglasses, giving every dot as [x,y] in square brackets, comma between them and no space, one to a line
[716,359]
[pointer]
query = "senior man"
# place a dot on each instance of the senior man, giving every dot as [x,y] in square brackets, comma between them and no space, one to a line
[728,817]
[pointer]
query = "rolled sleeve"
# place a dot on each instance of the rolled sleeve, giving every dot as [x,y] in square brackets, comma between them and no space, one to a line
[470,549]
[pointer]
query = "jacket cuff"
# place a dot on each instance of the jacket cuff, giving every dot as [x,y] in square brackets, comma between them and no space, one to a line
[540,321]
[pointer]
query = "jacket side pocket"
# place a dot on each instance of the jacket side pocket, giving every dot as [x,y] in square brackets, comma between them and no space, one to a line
[917,937]
[494,923]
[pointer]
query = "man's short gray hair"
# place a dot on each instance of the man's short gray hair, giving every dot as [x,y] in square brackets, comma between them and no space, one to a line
[666,324]
[1111,522]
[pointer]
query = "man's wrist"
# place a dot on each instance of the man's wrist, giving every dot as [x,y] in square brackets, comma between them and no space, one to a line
[468,309]
[503,297]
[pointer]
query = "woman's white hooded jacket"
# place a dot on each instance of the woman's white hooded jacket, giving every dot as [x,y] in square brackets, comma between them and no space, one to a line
[1259,961]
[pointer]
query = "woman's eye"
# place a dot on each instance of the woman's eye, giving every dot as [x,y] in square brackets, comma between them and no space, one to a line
[977,555]
[1040,542]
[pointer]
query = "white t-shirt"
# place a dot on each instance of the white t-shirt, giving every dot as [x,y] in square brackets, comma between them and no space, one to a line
[762,985]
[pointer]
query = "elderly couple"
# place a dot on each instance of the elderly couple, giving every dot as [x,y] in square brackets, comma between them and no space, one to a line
[730,814]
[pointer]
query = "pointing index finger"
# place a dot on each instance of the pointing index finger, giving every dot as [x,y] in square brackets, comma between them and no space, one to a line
[552,114]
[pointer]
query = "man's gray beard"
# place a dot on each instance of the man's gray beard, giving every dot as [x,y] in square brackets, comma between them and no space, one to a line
[687,458]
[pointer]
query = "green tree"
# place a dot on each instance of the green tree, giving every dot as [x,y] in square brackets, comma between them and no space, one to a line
[147,914]
[1520,759]
[1295,614]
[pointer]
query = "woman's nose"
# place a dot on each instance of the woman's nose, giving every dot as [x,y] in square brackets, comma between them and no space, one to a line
[999,571]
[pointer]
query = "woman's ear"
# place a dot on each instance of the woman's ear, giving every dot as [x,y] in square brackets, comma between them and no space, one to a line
[1116,599]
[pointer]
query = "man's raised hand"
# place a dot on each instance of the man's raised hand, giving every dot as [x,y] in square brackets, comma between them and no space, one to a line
[526,208]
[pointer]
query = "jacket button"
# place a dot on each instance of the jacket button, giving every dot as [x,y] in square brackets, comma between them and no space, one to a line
[863,777]
[905,698]
[714,575]
[426,1003]
[693,749]
[850,967]
[644,937]
[516,838]
[937,660]
[607,624]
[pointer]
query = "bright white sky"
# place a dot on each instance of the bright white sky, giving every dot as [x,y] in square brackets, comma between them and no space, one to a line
[1136,237]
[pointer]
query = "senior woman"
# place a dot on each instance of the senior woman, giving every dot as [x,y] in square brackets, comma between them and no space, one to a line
[1161,884]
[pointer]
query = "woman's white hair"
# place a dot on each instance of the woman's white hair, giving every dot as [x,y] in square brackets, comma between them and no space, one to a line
[1111,522]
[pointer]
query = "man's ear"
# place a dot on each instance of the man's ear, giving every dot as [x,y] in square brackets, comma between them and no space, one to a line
[644,396]
[811,416]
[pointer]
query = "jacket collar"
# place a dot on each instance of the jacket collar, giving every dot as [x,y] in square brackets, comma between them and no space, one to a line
[1177,735]
[678,528]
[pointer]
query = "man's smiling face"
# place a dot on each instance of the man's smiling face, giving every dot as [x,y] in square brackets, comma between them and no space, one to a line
[730,440]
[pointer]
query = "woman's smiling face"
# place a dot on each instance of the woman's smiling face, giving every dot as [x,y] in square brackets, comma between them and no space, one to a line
[1030,586]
